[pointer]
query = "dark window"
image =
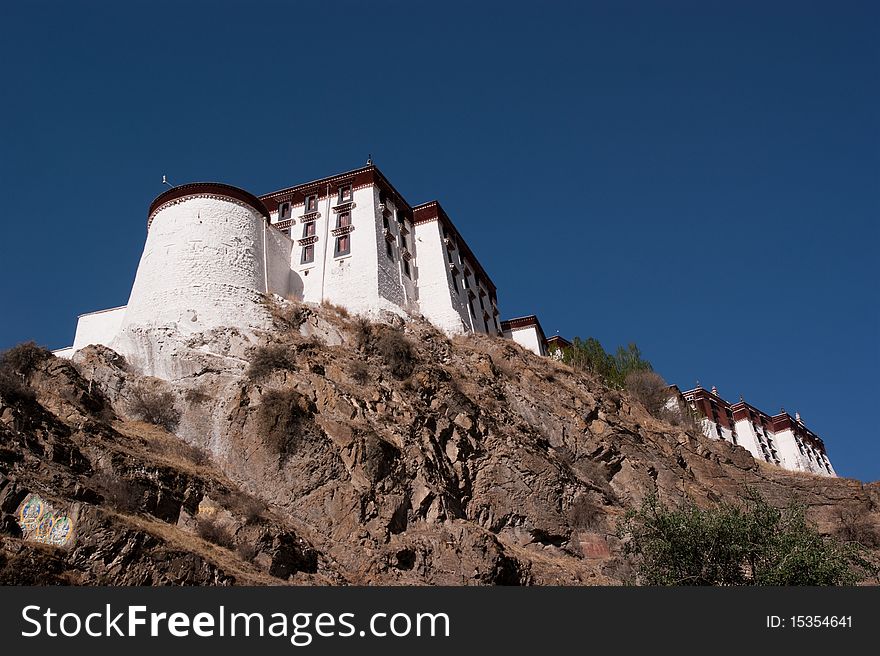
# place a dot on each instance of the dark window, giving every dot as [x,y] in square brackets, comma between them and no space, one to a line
[403,240]
[309,229]
[406,269]
[345,193]
[312,203]
[455,283]
[449,255]
[344,219]
[389,250]
[385,223]
[308,254]
[284,211]
[343,245]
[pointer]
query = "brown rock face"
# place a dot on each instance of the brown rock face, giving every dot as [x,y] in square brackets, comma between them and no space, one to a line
[371,454]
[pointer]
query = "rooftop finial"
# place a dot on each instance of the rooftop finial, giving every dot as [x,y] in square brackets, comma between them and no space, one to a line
[369,159]
[714,390]
[797,417]
[165,181]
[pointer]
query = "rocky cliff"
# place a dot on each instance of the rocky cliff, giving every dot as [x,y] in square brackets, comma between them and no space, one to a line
[332,450]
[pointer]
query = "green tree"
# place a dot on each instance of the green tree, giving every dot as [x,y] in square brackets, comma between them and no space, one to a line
[752,543]
[589,355]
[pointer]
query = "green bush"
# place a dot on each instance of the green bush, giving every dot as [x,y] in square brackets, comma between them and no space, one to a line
[752,543]
[589,355]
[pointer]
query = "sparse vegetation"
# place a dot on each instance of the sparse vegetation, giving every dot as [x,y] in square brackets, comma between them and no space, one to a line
[248,508]
[270,358]
[590,356]
[195,396]
[151,403]
[338,309]
[752,543]
[15,366]
[290,315]
[285,419]
[247,551]
[359,371]
[123,493]
[213,531]
[362,332]
[397,353]
[585,513]
[649,389]
[24,358]
[12,388]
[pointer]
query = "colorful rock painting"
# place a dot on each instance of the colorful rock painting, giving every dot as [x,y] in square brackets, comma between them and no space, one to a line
[40,522]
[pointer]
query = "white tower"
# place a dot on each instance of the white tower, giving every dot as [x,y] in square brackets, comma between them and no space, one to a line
[209,256]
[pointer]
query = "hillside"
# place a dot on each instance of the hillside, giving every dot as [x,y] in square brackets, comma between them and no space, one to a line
[335,451]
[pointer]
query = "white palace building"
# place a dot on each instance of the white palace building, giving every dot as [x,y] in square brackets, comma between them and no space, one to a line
[349,239]
[213,251]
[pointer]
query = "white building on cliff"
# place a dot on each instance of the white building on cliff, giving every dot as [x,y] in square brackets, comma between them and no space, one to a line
[780,439]
[213,251]
[349,239]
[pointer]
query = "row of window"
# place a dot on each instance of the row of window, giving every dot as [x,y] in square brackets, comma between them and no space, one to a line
[285,209]
[467,287]
[342,247]
[389,247]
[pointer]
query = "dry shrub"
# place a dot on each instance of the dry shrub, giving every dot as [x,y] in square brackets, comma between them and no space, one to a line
[288,314]
[211,530]
[585,513]
[359,371]
[15,366]
[250,509]
[176,449]
[397,353]
[285,418]
[154,405]
[270,358]
[24,358]
[858,528]
[649,389]
[196,396]
[338,309]
[247,551]
[13,389]
[122,493]
[362,333]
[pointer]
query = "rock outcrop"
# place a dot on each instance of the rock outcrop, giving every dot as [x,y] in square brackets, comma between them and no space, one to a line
[332,450]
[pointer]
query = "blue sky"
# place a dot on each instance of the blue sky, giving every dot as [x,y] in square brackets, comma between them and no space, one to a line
[700,178]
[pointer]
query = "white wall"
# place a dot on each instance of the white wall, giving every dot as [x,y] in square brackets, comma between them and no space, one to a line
[203,267]
[98,327]
[438,301]
[527,337]
[748,439]
[799,454]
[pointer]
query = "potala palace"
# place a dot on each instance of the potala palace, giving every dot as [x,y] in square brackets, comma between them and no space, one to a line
[213,251]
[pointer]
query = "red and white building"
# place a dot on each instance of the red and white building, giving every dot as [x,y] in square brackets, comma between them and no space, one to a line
[351,239]
[527,332]
[779,439]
